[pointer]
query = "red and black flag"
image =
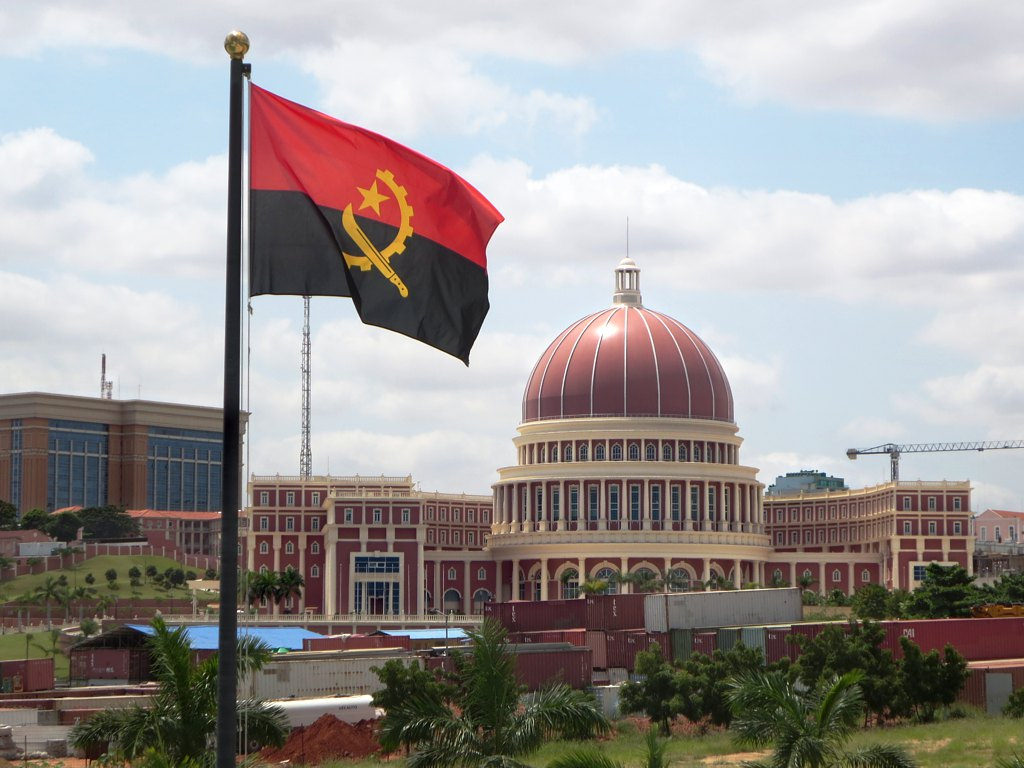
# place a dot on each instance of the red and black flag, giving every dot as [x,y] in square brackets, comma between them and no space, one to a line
[337,210]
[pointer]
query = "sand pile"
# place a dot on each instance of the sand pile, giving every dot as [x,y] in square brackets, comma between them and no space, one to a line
[326,739]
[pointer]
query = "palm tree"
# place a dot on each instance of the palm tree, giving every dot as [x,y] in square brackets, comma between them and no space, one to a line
[289,583]
[1016,760]
[183,713]
[591,756]
[805,729]
[261,586]
[594,587]
[479,722]
[49,592]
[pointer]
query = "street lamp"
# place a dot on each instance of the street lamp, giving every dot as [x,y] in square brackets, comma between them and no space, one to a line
[447,619]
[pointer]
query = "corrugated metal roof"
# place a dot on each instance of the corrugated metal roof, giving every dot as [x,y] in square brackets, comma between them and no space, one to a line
[204,637]
[454,633]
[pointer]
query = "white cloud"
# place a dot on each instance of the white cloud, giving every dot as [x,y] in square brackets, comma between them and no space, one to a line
[990,396]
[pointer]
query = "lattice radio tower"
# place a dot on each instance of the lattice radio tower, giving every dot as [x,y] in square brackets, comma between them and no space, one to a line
[306,453]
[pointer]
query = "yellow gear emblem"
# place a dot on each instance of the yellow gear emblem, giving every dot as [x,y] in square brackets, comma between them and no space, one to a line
[372,257]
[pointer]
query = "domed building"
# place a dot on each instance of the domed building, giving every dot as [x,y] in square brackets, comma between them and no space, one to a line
[627,471]
[628,462]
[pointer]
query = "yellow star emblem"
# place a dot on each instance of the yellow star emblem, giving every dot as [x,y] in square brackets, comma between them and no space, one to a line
[372,198]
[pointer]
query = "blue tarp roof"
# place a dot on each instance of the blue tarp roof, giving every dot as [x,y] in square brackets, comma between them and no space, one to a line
[454,633]
[204,637]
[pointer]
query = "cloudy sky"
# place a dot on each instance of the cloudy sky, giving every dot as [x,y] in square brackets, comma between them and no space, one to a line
[831,194]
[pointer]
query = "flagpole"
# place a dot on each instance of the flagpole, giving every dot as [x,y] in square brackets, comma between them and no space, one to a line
[236,44]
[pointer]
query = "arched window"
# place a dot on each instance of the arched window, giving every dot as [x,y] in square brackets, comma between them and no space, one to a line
[836,576]
[651,453]
[865,575]
[777,576]
[807,574]
[682,452]
[263,569]
[696,451]
[678,580]
[451,574]
[264,548]
[541,454]
[712,453]
[634,452]
[567,453]
[452,601]
[599,452]
[314,548]
[570,579]
[616,452]
[481,573]
[480,597]
[666,451]
[314,572]
[584,453]
[609,577]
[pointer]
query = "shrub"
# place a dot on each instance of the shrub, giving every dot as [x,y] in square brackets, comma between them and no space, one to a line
[1015,705]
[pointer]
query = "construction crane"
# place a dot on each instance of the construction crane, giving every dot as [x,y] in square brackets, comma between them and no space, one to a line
[894,450]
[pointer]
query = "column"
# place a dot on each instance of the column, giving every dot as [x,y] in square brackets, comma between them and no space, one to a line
[665,569]
[645,505]
[581,569]
[438,588]
[499,566]
[792,574]
[543,578]
[849,578]
[515,579]
[516,509]
[687,522]
[706,577]
[421,577]
[624,569]
[496,515]
[302,571]
[563,505]
[543,525]
[822,588]
[702,497]
[737,574]
[330,575]
[467,595]
[602,506]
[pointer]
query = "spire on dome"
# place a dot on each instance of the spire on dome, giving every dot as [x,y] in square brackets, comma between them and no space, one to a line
[627,284]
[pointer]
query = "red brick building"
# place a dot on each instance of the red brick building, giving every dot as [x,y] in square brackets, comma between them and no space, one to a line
[192,533]
[628,460]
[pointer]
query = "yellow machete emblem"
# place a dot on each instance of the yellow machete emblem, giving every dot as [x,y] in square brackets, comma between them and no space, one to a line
[372,257]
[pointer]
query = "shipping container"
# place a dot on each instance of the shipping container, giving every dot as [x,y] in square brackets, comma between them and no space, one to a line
[973,692]
[777,645]
[974,639]
[571,665]
[707,610]
[570,636]
[705,642]
[608,699]
[611,612]
[304,675]
[753,637]
[681,641]
[727,638]
[354,642]
[597,642]
[28,675]
[348,709]
[524,616]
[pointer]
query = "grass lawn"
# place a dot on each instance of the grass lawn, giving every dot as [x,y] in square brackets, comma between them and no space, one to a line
[97,566]
[974,742]
[12,646]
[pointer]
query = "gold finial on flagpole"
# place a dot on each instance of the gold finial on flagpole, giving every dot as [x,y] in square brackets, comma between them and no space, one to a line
[236,44]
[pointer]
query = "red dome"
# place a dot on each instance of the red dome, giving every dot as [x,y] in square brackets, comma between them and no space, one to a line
[628,361]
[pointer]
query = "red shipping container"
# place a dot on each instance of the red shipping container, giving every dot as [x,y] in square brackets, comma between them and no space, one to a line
[705,642]
[614,612]
[634,642]
[354,642]
[974,639]
[100,663]
[615,643]
[572,667]
[525,616]
[777,645]
[973,692]
[597,642]
[571,636]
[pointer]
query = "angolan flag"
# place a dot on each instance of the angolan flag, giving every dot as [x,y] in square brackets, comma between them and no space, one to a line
[336,210]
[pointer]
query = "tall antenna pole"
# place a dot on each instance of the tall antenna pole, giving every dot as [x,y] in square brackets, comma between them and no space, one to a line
[306,453]
[106,387]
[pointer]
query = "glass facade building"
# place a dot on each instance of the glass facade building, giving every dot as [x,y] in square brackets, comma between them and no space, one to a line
[76,466]
[183,469]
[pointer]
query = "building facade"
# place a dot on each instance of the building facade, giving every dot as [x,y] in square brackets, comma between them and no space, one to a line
[192,533]
[60,451]
[628,463]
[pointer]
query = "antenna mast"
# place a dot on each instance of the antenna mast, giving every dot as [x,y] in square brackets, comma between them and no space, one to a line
[106,387]
[306,453]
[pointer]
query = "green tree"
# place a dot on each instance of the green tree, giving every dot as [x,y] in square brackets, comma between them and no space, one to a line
[90,579]
[289,583]
[483,724]
[594,587]
[174,576]
[89,627]
[151,571]
[805,729]
[1008,588]
[871,601]
[8,516]
[838,650]
[928,681]
[108,522]
[402,682]
[111,574]
[63,526]
[34,520]
[211,573]
[190,576]
[947,591]
[656,694]
[703,683]
[50,645]
[182,715]
[261,586]
[49,593]
[1015,704]
[134,572]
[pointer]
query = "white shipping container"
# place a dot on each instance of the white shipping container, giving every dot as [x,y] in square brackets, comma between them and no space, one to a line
[348,709]
[707,610]
[302,677]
